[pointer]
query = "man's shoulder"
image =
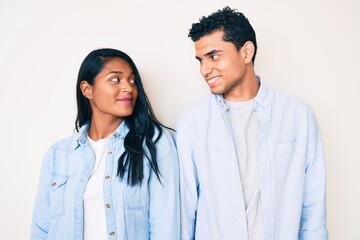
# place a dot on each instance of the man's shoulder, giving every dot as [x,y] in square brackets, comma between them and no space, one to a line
[199,108]
[198,111]
[277,96]
[290,106]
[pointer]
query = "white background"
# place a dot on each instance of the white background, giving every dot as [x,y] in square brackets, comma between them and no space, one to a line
[307,48]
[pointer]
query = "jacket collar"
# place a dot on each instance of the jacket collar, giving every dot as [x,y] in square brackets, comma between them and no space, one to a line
[81,137]
[261,98]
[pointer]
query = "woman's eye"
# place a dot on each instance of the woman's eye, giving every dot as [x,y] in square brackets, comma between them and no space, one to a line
[132,82]
[115,79]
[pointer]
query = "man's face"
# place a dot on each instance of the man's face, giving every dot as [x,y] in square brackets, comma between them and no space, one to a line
[221,64]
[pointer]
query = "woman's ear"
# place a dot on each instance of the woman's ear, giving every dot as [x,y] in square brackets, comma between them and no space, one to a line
[86,89]
[249,50]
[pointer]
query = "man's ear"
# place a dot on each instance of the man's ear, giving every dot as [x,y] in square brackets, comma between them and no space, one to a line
[86,89]
[248,49]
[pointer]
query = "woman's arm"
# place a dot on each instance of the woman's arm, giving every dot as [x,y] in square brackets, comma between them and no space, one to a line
[164,214]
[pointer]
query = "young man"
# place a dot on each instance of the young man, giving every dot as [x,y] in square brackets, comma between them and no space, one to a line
[251,158]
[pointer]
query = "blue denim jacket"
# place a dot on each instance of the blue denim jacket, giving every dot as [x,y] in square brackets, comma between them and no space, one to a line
[148,211]
[291,166]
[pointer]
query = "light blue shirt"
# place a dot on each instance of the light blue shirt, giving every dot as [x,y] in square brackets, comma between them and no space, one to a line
[291,166]
[150,211]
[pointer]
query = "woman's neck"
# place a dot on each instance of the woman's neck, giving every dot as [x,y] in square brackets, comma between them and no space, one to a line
[102,128]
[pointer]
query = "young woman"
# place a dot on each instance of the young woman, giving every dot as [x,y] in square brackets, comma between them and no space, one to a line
[117,177]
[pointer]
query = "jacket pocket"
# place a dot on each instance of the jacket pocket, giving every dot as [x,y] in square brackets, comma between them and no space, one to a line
[57,187]
[284,151]
[289,164]
[137,197]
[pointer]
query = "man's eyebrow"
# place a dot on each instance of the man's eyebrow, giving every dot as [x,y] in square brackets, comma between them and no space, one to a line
[212,52]
[208,53]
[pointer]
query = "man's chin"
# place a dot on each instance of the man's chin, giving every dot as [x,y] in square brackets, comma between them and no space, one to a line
[216,91]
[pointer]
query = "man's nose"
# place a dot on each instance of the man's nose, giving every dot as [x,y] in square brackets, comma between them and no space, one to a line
[206,68]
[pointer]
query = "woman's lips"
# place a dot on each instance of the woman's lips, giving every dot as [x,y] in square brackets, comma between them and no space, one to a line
[125,100]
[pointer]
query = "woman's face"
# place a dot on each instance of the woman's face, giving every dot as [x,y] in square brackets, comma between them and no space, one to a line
[114,92]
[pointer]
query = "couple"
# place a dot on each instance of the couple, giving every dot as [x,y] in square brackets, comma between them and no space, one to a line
[248,161]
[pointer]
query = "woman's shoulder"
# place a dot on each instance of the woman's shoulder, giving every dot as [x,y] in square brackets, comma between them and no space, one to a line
[165,135]
[165,143]
[66,144]
[59,152]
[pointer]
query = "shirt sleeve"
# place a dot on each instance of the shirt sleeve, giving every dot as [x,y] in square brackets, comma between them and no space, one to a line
[313,217]
[41,212]
[188,181]
[164,196]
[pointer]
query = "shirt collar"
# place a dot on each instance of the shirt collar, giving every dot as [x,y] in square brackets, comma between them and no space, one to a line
[81,137]
[260,98]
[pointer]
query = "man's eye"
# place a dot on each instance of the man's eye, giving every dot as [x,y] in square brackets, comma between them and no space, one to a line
[214,57]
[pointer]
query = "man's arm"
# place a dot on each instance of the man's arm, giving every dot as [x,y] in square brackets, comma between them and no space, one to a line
[188,181]
[313,216]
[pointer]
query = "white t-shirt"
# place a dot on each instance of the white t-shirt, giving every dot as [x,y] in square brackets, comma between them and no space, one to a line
[244,128]
[94,209]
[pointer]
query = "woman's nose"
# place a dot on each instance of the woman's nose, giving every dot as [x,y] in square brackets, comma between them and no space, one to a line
[126,86]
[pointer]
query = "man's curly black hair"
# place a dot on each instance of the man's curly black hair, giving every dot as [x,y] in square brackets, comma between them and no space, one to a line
[235,25]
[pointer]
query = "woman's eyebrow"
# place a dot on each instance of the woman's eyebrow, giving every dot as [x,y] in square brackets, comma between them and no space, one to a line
[118,72]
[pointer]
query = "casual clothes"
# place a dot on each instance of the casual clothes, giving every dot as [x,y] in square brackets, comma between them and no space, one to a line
[290,162]
[143,212]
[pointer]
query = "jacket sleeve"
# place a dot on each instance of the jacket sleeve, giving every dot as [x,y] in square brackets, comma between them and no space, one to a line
[164,196]
[188,180]
[41,212]
[313,216]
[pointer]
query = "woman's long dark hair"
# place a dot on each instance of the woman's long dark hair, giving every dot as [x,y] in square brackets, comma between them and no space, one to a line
[141,123]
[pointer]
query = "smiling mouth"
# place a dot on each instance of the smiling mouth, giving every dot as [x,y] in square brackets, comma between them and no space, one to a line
[212,80]
[126,100]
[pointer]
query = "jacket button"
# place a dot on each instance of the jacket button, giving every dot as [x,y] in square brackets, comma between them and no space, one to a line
[112,233]
[108,205]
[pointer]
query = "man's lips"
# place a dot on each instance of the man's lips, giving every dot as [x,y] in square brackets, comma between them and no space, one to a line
[212,80]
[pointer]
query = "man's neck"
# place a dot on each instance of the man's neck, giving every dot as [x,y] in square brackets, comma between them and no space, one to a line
[245,91]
